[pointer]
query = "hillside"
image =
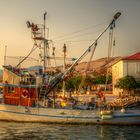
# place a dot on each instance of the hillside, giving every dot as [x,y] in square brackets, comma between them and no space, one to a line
[98,65]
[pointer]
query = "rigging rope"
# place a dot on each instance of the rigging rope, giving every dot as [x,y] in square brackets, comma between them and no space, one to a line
[87,67]
[35,46]
[110,52]
[79,31]
[48,54]
[114,43]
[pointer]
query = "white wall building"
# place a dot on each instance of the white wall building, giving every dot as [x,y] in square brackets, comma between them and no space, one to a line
[126,66]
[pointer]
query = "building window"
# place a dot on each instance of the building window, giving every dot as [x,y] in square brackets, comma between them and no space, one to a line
[137,68]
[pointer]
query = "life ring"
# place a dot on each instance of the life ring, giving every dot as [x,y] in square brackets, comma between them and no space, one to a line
[25,93]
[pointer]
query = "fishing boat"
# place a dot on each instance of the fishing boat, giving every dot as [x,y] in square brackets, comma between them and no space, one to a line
[27,98]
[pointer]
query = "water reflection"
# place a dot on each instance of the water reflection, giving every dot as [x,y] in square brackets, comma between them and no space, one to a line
[37,131]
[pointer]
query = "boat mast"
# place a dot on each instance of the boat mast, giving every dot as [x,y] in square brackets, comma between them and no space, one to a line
[64,67]
[45,41]
[5,54]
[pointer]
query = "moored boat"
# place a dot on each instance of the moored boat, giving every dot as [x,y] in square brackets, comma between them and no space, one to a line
[69,116]
[26,97]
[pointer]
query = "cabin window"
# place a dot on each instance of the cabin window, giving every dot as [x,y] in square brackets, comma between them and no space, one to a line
[11,89]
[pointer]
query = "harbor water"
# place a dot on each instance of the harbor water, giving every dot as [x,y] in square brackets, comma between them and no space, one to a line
[40,131]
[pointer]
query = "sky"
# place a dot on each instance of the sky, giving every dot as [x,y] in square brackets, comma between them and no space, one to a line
[77,23]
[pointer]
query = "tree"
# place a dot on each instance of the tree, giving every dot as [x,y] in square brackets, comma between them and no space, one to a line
[127,83]
[73,83]
[101,79]
[138,84]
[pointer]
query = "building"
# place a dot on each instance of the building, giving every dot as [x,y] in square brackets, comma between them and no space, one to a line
[126,66]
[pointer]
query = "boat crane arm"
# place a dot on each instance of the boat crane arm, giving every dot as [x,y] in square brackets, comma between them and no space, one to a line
[93,45]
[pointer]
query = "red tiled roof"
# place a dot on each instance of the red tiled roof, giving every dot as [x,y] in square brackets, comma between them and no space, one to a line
[133,57]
